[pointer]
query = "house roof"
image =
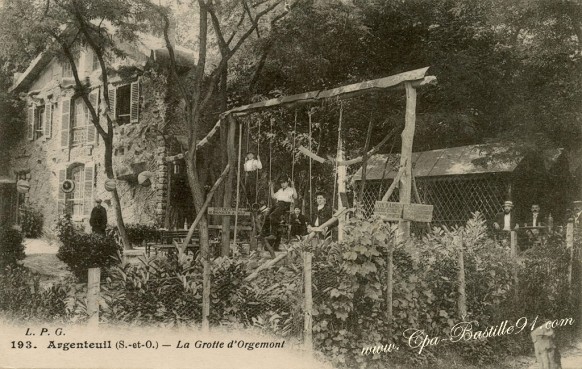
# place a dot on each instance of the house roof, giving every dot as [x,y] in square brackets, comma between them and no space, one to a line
[140,52]
[495,158]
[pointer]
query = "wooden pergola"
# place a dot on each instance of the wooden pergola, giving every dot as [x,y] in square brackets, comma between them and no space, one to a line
[409,81]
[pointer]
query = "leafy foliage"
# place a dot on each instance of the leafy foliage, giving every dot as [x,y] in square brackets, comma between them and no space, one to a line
[23,299]
[32,221]
[138,233]
[81,251]
[11,246]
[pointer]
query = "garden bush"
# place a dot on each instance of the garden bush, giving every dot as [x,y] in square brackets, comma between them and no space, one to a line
[23,299]
[81,251]
[31,221]
[138,233]
[11,246]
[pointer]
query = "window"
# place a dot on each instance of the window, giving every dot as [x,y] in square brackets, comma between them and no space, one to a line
[95,62]
[67,70]
[124,101]
[39,121]
[77,127]
[76,197]
[79,122]
[78,203]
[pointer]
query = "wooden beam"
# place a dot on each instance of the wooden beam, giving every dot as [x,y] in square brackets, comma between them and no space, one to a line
[227,198]
[416,78]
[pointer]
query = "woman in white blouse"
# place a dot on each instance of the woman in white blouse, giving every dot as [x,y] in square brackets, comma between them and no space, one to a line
[251,167]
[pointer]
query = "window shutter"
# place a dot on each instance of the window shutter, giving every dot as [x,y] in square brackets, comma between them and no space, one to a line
[134,107]
[65,122]
[47,119]
[88,188]
[91,130]
[31,122]
[62,198]
[113,103]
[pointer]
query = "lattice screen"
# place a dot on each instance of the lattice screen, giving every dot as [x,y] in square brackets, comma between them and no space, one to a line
[454,197]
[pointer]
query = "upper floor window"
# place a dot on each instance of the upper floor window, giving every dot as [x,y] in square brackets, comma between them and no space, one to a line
[124,101]
[67,70]
[94,62]
[77,126]
[40,121]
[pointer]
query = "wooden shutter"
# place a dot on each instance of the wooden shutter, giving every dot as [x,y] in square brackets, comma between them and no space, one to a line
[113,103]
[134,107]
[91,136]
[65,122]
[88,187]
[30,118]
[47,119]
[62,198]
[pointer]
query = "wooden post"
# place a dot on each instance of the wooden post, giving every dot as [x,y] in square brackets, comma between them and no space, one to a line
[205,291]
[405,186]
[237,182]
[570,247]
[462,304]
[227,199]
[390,286]
[341,177]
[93,289]
[515,264]
[308,313]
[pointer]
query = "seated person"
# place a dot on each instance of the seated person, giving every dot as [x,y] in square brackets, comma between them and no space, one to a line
[505,221]
[322,214]
[298,224]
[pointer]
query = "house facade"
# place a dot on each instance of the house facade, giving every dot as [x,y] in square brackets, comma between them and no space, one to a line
[62,145]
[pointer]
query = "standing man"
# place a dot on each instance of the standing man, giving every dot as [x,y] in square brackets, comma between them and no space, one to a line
[98,220]
[322,214]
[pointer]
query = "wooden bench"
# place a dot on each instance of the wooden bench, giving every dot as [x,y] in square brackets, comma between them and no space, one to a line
[169,238]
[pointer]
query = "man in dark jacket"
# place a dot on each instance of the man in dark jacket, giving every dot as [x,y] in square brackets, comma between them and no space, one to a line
[505,221]
[321,215]
[98,220]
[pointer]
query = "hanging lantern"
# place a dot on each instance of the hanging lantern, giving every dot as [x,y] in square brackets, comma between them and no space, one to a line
[144,178]
[67,186]
[110,184]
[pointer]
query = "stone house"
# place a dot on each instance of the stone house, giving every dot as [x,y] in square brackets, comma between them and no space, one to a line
[61,143]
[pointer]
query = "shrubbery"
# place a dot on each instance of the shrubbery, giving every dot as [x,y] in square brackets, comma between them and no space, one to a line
[11,247]
[22,298]
[31,221]
[81,251]
[138,233]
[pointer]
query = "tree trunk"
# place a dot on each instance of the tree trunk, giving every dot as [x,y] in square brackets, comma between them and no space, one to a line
[116,200]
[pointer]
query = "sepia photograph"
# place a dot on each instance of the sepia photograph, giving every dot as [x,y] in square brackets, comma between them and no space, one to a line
[303,184]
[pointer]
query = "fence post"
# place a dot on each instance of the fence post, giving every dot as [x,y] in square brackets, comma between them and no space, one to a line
[462,303]
[308,313]
[570,247]
[93,289]
[390,286]
[515,263]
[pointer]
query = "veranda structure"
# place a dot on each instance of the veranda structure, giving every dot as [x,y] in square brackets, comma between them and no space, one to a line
[461,180]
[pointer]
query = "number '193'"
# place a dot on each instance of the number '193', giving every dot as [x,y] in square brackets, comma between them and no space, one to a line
[21,344]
